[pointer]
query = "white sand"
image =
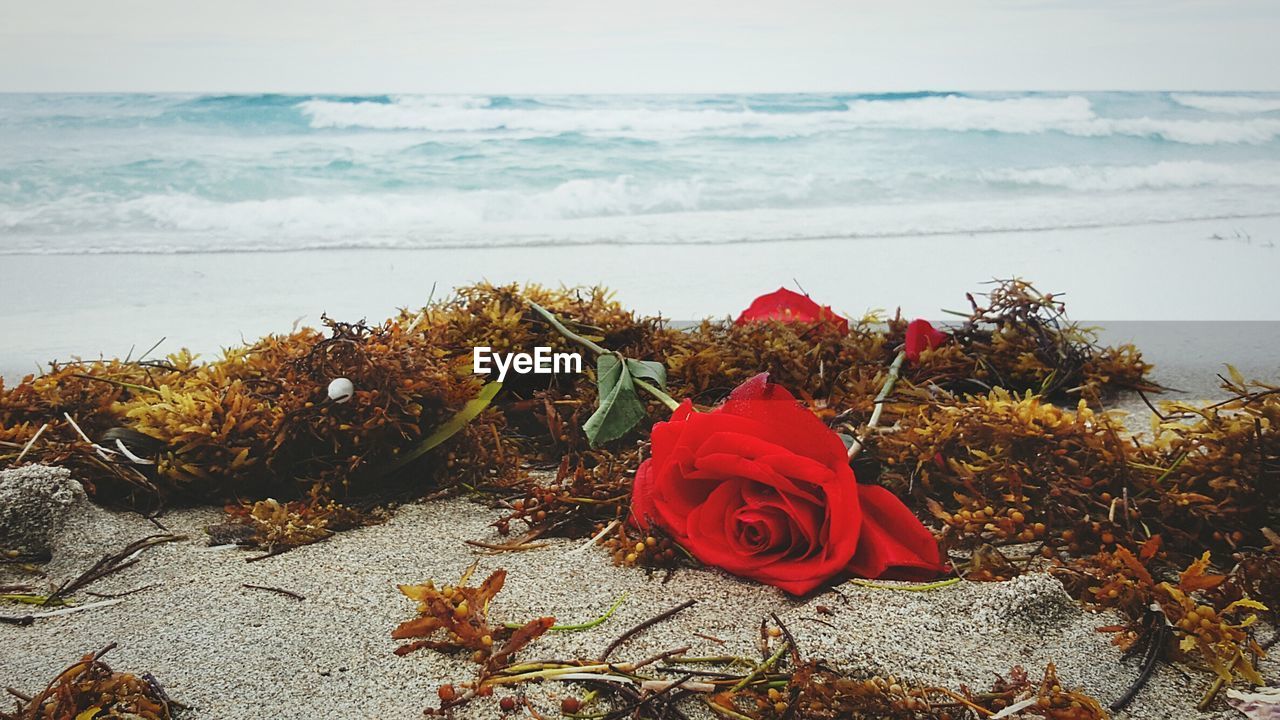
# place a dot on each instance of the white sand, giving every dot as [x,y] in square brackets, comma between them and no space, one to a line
[234,653]
[58,306]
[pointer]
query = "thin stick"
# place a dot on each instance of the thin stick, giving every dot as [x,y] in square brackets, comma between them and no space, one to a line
[515,547]
[101,450]
[786,632]
[18,694]
[580,626]
[595,539]
[550,317]
[32,617]
[569,334]
[894,370]
[276,590]
[118,383]
[909,588]
[30,442]
[645,625]
[762,668]
[111,563]
[663,687]
[547,674]
[124,594]
[656,658]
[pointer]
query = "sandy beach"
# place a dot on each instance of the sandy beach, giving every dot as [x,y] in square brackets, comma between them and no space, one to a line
[231,652]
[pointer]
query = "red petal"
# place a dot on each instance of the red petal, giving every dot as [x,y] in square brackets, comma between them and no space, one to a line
[786,422]
[789,306]
[922,336]
[893,542]
[642,508]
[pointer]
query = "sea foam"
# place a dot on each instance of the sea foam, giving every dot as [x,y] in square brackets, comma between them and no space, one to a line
[193,173]
[1073,115]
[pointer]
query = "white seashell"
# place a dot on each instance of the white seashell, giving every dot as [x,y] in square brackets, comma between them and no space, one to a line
[341,390]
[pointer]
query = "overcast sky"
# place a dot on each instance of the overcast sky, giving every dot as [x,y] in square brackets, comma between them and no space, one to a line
[541,46]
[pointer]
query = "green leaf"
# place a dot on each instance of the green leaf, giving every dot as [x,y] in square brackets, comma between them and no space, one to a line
[648,370]
[451,427]
[620,408]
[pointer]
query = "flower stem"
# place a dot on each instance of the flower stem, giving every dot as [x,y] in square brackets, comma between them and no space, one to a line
[895,369]
[560,328]
[550,317]
[661,396]
[547,674]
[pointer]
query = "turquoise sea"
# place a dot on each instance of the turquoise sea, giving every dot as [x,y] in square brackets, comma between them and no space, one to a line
[211,173]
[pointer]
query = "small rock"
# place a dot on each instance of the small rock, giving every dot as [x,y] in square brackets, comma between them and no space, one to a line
[1035,601]
[35,504]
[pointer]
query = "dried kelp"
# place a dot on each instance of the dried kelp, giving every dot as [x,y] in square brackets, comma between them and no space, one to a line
[456,618]
[1205,628]
[1020,339]
[276,527]
[460,615]
[816,693]
[91,690]
[257,422]
[780,684]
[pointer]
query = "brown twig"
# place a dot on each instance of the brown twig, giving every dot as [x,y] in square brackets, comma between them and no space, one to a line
[272,552]
[660,656]
[518,546]
[644,626]
[635,707]
[276,590]
[18,694]
[796,657]
[110,564]
[127,593]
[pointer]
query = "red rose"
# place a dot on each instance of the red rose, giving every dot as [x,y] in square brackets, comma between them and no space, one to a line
[761,488]
[789,306]
[922,336]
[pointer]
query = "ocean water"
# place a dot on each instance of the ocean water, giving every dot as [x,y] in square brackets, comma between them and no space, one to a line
[83,174]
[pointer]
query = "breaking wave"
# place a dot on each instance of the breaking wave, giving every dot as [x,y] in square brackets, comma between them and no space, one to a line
[1072,115]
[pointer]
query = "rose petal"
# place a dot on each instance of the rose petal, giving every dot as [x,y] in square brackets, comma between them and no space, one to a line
[642,507]
[789,306]
[784,421]
[893,542]
[921,336]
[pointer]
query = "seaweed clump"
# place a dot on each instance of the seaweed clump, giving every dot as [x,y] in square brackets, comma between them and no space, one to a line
[1020,339]
[780,684]
[91,690]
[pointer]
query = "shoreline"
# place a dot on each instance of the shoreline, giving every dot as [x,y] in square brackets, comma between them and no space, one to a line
[55,306]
